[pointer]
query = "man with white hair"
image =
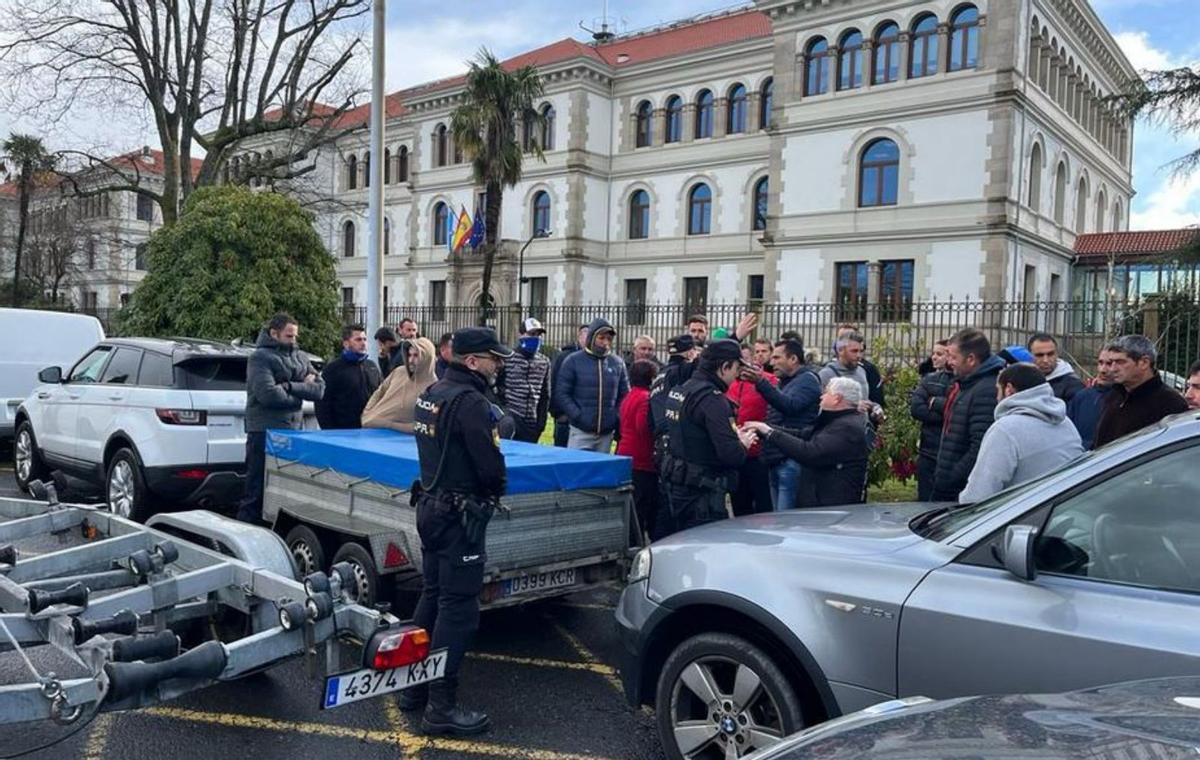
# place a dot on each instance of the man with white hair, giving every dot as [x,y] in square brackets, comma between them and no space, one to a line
[834,459]
[644,350]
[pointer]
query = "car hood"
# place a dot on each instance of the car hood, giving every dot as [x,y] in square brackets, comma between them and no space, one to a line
[853,530]
[1152,718]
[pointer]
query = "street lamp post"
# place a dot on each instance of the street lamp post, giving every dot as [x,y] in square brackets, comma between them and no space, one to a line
[375,223]
[521,267]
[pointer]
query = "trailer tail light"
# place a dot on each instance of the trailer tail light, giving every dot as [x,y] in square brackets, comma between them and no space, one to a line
[394,648]
[394,557]
[182,416]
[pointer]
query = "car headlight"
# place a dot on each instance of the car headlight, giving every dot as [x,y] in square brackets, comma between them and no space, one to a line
[640,569]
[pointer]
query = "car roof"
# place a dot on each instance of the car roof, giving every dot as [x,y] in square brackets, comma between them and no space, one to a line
[181,349]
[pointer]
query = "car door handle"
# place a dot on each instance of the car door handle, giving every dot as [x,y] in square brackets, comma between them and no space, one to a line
[117,396]
[43,394]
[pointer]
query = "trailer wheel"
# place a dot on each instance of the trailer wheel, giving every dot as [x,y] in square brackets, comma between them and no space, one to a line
[366,581]
[307,552]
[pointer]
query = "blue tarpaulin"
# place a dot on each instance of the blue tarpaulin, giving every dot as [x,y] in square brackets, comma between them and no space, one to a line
[389,457]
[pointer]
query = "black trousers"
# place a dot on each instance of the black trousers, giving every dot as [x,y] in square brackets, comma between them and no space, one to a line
[562,431]
[926,467]
[690,507]
[251,505]
[753,494]
[453,577]
[645,499]
[527,432]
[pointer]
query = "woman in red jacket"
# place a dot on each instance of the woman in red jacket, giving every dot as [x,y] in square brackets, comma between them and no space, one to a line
[637,442]
[753,493]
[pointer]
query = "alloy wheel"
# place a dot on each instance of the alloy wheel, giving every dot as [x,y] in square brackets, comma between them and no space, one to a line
[24,455]
[121,489]
[720,709]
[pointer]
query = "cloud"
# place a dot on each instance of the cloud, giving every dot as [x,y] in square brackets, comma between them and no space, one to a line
[1142,54]
[1173,204]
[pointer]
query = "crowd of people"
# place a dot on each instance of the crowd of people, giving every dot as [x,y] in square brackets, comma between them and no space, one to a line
[729,425]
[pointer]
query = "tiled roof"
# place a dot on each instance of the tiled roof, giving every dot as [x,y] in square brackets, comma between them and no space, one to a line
[1125,245]
[152,164]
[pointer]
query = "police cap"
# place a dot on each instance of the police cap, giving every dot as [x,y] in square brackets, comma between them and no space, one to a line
[724,350]
[479,340]
[681,344]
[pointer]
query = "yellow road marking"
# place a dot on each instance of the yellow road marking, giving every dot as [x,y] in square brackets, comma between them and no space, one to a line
[409,744]
[98,736]
[593,667]
[587,655]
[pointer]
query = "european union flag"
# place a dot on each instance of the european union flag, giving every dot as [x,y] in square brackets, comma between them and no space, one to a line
[478,230]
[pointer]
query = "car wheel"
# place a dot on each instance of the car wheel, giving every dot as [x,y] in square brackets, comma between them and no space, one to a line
[27,460]
[307,553]
[719,696]
[365,590]
[125,487]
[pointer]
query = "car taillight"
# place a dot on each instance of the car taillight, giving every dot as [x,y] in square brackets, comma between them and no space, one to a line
[391,648]
[182,416]
[192,474]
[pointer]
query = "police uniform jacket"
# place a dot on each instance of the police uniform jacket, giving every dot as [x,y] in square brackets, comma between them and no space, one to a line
[454,413]
[703,426]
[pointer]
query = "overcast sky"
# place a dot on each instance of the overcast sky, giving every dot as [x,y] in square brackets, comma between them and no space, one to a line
[430,40]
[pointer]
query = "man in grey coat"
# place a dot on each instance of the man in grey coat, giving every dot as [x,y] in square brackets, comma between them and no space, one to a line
[1031,435]
[279,380]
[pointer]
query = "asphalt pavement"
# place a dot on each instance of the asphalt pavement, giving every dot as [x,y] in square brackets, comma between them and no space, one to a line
[546,673]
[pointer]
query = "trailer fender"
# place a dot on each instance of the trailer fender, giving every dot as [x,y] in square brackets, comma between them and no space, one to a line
[257,547]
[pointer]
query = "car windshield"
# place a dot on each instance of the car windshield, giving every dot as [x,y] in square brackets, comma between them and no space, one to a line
[213,373]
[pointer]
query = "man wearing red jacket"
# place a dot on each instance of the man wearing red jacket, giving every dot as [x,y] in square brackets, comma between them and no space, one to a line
[753,493]
[637,442]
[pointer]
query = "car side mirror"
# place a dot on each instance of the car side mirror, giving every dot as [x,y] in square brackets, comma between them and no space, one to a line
[50,375]
[1016,552]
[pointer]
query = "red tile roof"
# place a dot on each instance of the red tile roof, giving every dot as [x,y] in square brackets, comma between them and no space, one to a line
[152,166]
[1126,245]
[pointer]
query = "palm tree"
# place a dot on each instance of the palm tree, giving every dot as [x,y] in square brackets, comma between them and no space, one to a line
[485,127]
[25,157]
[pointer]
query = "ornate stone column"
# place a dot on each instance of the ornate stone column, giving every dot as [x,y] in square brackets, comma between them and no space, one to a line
[689,122]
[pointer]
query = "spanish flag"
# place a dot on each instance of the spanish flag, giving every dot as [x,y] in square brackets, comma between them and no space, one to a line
[462,233]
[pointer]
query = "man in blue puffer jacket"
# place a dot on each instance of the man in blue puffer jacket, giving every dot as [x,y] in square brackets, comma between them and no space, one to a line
[589,388]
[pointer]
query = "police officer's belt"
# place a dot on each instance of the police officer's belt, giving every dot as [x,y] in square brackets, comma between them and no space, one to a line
[680,472]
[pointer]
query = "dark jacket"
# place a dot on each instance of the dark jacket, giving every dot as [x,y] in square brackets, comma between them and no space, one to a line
[348,387]
[473,461]
[590,386]
[874,382]
[1084,410]
[833,460]
[555,369]
[704,429]
[523,388]
[1064,382]
[275,387]
[385,362]
[794,405]
[439,367]
[970,411]
[926,404]
[1126,412]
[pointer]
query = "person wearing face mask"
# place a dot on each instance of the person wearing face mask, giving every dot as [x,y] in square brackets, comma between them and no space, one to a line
[523,386]
[392,405]
[350,380]
[589,389]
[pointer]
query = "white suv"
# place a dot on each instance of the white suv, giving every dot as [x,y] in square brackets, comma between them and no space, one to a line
[150,421]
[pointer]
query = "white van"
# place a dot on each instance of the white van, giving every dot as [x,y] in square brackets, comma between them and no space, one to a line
[31,340]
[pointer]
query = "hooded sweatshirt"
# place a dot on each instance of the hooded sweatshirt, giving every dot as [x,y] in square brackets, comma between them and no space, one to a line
[1031,436]
[591,385]
[1063,381]
[392,405]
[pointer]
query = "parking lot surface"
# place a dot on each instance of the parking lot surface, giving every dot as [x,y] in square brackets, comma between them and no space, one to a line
[546,673]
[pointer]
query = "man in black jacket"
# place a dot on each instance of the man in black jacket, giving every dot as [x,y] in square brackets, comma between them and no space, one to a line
[970,409]
[350,379]
[1059,372]
[1139,397]
[834,459]
[927,402]
[386,341]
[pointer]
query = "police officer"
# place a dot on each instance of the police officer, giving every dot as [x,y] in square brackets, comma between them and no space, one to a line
[462,479]
[705,448]
[680,365]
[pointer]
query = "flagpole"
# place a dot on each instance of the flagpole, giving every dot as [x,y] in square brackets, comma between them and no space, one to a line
[375,264]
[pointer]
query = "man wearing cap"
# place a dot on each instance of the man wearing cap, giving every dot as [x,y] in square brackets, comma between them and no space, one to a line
[705,448]
[589,389]
[462,479]
[523,387]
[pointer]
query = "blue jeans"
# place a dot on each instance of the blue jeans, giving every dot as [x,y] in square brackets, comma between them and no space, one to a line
[785,479]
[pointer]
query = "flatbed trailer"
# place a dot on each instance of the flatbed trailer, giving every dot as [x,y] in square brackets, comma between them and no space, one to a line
[566,524]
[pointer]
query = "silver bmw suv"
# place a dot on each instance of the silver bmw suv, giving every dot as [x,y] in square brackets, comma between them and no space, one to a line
[744,631]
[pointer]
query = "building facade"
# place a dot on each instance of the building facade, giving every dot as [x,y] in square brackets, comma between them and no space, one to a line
[860,152]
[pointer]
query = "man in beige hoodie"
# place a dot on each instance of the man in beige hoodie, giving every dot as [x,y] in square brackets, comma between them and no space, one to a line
[392,404]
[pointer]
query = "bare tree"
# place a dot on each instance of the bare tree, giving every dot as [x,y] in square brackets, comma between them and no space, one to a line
[56,252]
[212,74]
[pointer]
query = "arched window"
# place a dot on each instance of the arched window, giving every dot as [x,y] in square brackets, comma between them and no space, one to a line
[351,172]
[441,214]
[816,57]
[704,114]
[639,215]
[760,204]
[366,169]
[1081,197]
[643,126]
[700,210]
[1118,219]
[879,174]
[964,38]
[527,134]
[547,127]
[348,239]
[1101,211]
[387,166]
[850,60]
[387,236]
[402,168]
[923,50]
[541,212]
[765,103]
[1035,177]
[887,54]
[441,146]
[674,119]
[1060,192]
[735,110]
